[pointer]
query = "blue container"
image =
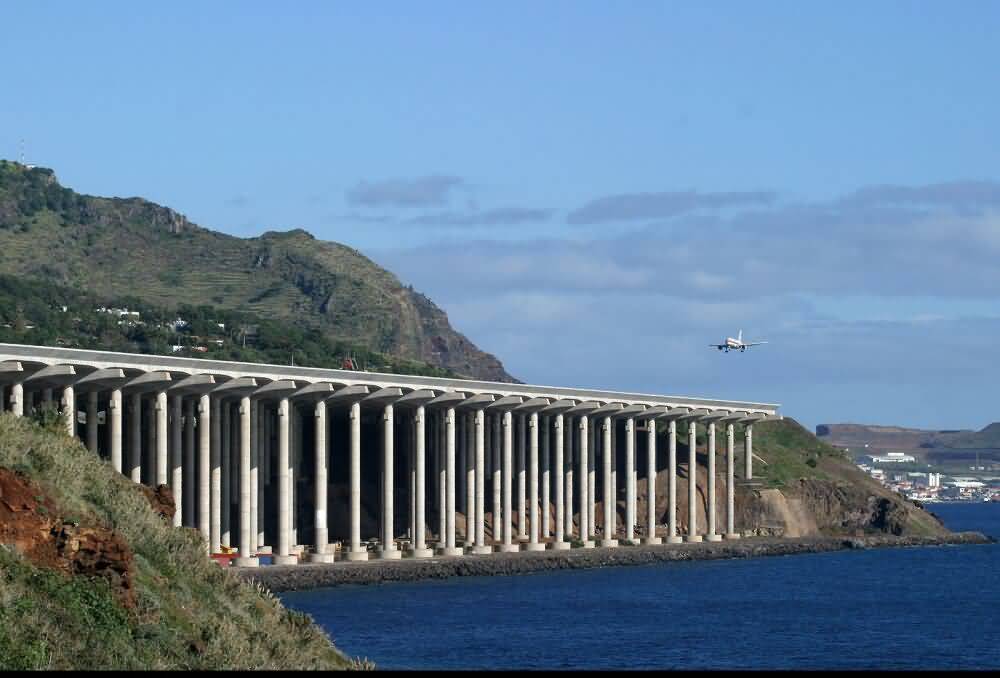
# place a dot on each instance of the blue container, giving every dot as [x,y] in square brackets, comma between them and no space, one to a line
[266,559]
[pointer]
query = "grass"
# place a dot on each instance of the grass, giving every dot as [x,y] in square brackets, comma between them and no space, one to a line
[190,613]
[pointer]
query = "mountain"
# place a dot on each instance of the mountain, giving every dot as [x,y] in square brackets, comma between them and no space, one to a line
[131,248]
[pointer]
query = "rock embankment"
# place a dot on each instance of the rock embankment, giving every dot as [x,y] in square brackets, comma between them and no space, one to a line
[308,576]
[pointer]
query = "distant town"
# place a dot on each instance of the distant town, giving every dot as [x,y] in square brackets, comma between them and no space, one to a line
[928,486]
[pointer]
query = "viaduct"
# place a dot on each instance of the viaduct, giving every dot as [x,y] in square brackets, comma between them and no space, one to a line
[244,446]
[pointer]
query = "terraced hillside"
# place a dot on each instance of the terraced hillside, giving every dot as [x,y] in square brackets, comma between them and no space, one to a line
[130,247]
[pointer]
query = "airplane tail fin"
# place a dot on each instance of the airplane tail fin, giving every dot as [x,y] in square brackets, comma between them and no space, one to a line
[739,337]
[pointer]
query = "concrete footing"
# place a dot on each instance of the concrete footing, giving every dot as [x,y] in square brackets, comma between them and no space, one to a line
[533,547]
[481,550]
[693,538]
[420,553]
[675,540]
[390,554]
[286,560]
[453,551]
[587,544]
[357,556]
[246,562]
[731,535]
[608,543]
[713,537]
[508,548]
[651,541]
[320,558]
[560,546]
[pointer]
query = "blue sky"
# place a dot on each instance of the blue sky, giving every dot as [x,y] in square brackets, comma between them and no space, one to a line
[594,192]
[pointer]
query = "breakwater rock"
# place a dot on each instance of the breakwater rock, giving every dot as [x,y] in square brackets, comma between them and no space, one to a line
[308,576]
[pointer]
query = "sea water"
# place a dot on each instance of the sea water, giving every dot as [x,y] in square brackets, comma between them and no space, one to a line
[921,607]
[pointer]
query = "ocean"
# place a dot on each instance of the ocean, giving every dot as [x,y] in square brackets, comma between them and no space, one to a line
[894,608]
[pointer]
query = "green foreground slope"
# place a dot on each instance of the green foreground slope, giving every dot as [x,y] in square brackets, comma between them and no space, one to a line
[187,612]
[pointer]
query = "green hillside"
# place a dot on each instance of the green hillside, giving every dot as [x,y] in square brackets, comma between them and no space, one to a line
[97,579]
[117,248]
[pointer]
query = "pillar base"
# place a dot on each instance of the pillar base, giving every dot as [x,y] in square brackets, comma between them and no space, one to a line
[693,538]
[651,541]
[320,558]
[481,550]
[298,549]
[286,560]
[731,535]
[390,554]
[420,553]
[713,537]
[674,540]
[508,548]
[357,556]
[560,546]
[246,562]
[587,544]
[451,551]
[608,543]
[534,547]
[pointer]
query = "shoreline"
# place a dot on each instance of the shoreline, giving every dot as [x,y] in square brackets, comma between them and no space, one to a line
[281,578]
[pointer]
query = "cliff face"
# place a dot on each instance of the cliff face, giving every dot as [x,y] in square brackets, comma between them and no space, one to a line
[134,248]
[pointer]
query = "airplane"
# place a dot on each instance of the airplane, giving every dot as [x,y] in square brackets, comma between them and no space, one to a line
[736,343]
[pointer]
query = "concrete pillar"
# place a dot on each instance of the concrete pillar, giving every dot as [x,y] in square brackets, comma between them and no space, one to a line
[711,534]
[115,420]
[545,429]
[189,469]
[205,469]
[508,461]
[356,552]
[692,534]
[284,555]
[591,482]
[411,473]
[388,550]
[533,543]
[568,462]
[608,540]
[177,459]
[583,449]
[161,439]
[254,473]
[497,484]
[294,455]
[470,481]
[92,421]
[480,432]
[246,557]
[672,536]
[262,446]
[651,537]
[17,399]
[69,409]
[730,489]
[227,474]
[215,480]
[630,479]
[320,481]
[559,471]
[460,463]
[522,532]
[135,437]
[442,483]
[449,421]
[419,549]
[748,452]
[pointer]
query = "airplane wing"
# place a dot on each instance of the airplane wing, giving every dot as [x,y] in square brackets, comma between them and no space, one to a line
[755,343]
[716,345]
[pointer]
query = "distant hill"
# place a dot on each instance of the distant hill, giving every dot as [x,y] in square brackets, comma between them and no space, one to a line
[896,437]
[116,248]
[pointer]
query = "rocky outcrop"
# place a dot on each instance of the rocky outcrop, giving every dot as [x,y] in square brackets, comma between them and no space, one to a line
[161,499]
[30,523]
